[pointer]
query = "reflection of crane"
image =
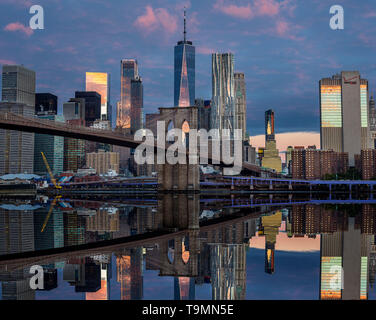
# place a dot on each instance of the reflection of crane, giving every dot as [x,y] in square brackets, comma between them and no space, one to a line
[53,203]
[53,180]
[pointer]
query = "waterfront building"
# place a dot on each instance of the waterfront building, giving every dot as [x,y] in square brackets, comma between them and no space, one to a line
[45,102]
[103,161]
[368,164]
[344,114]
[101,82]
[312,163]
[184,72]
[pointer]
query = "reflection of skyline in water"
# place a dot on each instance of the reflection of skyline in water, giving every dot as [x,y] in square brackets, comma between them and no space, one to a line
[203,261]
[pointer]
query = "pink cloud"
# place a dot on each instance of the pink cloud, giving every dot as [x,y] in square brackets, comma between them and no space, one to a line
[258,8]
[17,26]
[154,19]
[5,61]
[285,29]
[266,7]
[242,12]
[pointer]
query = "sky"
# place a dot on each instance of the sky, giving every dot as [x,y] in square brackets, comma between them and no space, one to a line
[284,47]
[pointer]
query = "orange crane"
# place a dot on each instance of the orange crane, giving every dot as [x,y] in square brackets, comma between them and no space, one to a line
[53,180]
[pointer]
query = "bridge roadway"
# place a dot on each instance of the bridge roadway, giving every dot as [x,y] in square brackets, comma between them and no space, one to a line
[12,121]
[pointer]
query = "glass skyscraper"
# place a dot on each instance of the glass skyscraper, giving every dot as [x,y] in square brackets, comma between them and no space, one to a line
[184,70]
[129,72]
[51,146]
[223,92]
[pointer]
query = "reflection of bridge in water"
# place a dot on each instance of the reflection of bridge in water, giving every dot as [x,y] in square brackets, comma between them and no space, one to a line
[194,250]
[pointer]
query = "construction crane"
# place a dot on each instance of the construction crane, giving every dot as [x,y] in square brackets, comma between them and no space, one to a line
[53,203]
[53,180]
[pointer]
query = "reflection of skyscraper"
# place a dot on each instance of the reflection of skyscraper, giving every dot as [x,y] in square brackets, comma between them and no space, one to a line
[129,72]
[223,92]
[129,274]
[100,82]
[344,113]
[184,288]
[228,266]
[270,227]
[17,231]
[105,270]
[184,70]
[348,251]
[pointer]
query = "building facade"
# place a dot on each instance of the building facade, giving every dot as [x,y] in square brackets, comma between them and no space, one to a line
[101,83]
[16,147]
[103,161]
[137,104]
[312,163]
[129,72]
[223,92]
[372,122]
[92,105]
[271,158]
[18,96]
[184,72]
[51,146]
[344,114]
[240,103]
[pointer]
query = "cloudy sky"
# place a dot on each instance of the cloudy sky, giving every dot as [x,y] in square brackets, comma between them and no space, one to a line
[284,47]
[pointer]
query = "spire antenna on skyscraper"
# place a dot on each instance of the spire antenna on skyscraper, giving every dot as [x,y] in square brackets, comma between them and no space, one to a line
[185,26]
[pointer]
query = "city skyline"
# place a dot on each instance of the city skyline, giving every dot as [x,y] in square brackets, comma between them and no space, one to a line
[292,53]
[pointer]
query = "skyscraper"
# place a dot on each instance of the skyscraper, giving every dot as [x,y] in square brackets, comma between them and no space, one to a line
[18,94]
[271,158]
[100,82]
[74,149]
[137,104]
[45,102]
[240,103]
[223,92]
[129,72]
[51,146]
[184,71]
[344,113]
[92,105]
[372,122]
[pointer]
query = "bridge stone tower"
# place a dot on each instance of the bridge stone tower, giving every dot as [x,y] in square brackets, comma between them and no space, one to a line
[178,177]
[180,212]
